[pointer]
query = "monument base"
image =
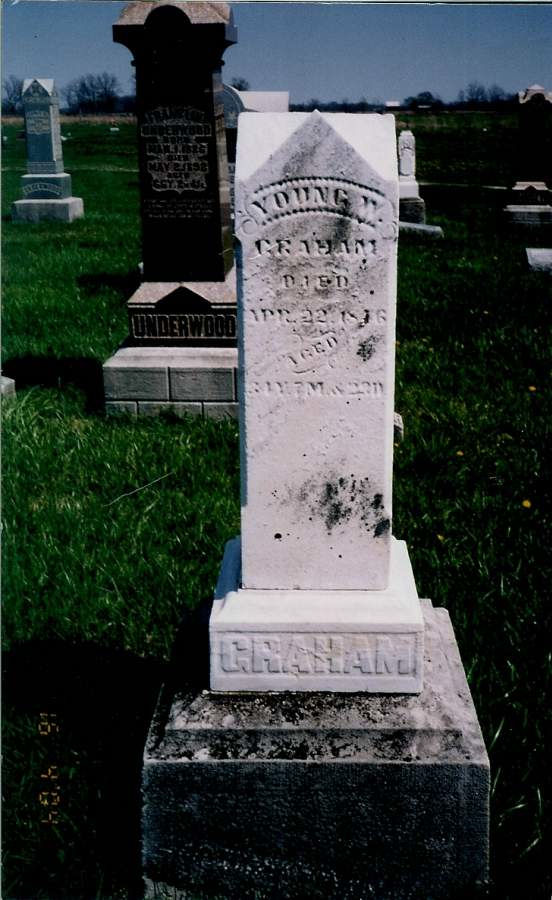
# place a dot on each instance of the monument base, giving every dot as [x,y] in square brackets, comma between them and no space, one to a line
[65,210]
[307,640]
[152,380]
[529,215]
[425,231]
[320,795]
[412,209]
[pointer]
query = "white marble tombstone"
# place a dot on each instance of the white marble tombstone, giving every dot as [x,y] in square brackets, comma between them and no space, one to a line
[318,595]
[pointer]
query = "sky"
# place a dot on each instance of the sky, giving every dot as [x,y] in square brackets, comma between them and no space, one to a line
[327,51]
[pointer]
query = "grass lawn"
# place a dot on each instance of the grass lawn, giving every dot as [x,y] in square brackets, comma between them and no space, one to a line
[112,527]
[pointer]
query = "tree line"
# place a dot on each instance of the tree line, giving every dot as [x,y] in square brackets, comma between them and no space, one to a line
[86,95]
[101,93]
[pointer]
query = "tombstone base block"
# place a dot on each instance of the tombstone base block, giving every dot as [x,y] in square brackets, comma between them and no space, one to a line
[320,795]
[529,215]
[539,259]
[66,210]
[433,232]
[150,381]
[412,209]
[317,640]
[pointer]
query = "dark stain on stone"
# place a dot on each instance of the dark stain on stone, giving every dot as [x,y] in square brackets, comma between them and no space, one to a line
[277,536]
[334,509]
[339,498]
[367,347]
[381,527]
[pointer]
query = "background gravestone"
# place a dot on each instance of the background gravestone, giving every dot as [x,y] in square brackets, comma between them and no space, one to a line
[234,102]
[46,188]
[531,197]
[411,205]
[181,352]
[325,760]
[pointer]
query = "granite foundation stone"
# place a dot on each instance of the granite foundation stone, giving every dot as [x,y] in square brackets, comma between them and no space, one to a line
[321,795]
[178,380]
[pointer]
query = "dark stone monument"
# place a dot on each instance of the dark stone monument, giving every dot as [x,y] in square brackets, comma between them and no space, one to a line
[187,301]
[46,188]
[531,197]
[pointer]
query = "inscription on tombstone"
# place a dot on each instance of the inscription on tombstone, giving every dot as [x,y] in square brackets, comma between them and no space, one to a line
[317,595]
[318,316]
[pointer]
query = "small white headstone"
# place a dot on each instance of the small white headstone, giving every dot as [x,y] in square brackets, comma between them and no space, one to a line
[326,598]
[408,186]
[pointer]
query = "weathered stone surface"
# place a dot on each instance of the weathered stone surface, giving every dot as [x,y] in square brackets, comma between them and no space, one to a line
[220,410]
[46,187]
[185,200]
[41,110]
[128,382]
[7,386]
[152,408]
[316,216]
[339,640]
[398,428]
[539,259]
[204,383]
[320,795]
[53,210]
[178,376]
[412,209]
[121,408]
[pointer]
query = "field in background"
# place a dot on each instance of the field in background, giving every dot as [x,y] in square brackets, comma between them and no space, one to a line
[111,527]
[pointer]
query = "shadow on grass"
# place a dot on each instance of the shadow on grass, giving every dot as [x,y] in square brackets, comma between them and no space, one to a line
[125,284]
[76,719]
[83,372]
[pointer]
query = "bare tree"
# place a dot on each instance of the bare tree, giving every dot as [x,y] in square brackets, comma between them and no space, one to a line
[92,93]
[12,87]
[476,93]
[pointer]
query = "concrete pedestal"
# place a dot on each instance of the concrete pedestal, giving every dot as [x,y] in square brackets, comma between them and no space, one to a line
[151,380]
[320,795]
[66,210]
[412,209]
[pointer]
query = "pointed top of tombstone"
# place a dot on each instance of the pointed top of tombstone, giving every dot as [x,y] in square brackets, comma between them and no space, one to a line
[277,129]
[38,87]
